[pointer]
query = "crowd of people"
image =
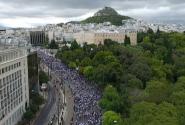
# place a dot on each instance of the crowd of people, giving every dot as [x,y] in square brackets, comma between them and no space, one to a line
[86,95]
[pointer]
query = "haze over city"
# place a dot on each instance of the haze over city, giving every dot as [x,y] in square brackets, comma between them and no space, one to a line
[29,13]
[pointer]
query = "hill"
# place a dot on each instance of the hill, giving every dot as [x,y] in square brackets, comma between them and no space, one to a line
[2,27]
[107,14]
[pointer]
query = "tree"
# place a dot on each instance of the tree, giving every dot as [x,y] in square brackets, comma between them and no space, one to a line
[161,52]
[140,36]
[137,73]
[127,55]
[112,118]
[179,59]
[145,113]
[36,99]
[67,56]
[77,54]
[158,31]
[125,103]
[74,45]
[89,49]
[180,84]
[43,78]
[28,115]
[34,108]
[178,99]
[99,75]
[72,56]
[53,45]
[148,46]
[110,100]
[86,62]
[113,72]
[72,65]
[114,19]
[88,71]
[127,40]
[158,91]
[160,42]
[150,31]
[142,71]
[131,81]
[146,39]
[64,48]
[159,71]
[104,57]
[109,42]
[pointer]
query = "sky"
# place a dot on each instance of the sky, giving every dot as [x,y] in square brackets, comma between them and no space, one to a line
[30,13]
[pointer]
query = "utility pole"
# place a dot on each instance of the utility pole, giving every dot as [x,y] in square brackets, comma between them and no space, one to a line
[58,109]
[64,94]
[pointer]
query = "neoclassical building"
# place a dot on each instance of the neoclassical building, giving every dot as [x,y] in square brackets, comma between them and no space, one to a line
[97,37]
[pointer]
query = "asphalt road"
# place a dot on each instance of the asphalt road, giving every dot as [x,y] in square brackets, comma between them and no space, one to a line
[42,119]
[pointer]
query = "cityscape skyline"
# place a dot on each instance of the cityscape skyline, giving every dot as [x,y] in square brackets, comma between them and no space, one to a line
[25,13]
[100,62]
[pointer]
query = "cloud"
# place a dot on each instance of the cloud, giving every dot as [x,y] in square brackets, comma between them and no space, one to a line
[37,12]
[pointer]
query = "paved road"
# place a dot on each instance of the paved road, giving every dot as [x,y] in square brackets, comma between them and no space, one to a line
[42,119]
[68,111]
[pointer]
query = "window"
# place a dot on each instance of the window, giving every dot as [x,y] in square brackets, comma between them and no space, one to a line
[3,70]
[1,84]
[1,59]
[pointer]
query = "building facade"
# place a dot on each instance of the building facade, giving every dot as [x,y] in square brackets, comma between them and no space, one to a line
[2,32]
[33,74]
[14,89]
[99,37]
[37,38]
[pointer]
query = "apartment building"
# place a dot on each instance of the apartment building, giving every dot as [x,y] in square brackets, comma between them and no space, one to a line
[2,32]
[14,90]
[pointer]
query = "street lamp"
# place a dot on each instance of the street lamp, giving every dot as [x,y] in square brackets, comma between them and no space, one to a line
[115,122]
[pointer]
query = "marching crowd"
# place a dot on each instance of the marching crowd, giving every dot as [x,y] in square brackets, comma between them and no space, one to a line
[86,95]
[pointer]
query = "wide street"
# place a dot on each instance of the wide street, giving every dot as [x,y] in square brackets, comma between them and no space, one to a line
[84,95]
[55,106]
[42,119]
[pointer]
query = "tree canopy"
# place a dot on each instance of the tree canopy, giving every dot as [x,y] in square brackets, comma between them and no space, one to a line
[112,118]
[141,85]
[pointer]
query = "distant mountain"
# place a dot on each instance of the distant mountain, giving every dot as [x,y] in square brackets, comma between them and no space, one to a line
[74,22]
[2,27]
[60,24]
[107,11]
[107,14]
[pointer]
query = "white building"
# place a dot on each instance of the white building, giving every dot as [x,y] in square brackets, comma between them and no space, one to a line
[14,90]
[2,32]
[97,37]
[51,36]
